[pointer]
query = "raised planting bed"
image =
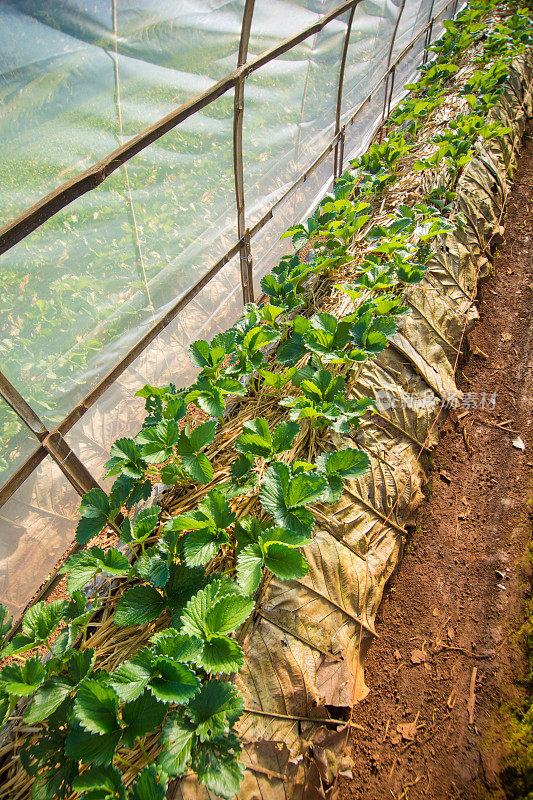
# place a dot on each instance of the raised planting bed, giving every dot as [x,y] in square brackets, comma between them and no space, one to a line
[228,649]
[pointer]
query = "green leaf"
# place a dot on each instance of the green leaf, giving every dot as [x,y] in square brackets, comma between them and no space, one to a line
[215,709]
[100,783]
[152,566]
[139,605]
[5,622]
[94,504]
[228,614]
[216,508]
[198,466]
[173,682]
[202,435]
[47,699]
[171,473]
[304,489]
[241,468]
[250,568]
[255,438]
[285,562]
[85,565]
[42,619]
[141,716]
[91,748]
[149,785]
[282,496]
[131,678]
[216,766]
[96,707]
[80,664]
[349,463]
[183,584]
[221,654]
[158,441]
[284,435]
[145,523]
[96,513]
[22,679]
[200,546]
[176,646]
[176,738]
[45,761]
[125,458]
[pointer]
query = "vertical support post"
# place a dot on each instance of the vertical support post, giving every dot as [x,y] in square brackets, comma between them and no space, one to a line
[391,90]
[389,59]
[429,32]
[68,462]
[238,171]
[339,146]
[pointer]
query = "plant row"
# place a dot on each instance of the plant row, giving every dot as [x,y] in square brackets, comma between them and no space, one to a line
[90,720]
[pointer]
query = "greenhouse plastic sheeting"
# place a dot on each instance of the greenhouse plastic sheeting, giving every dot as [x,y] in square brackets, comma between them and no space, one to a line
[78,80]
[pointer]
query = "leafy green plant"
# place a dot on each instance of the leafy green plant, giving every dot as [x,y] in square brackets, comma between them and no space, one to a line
[323,401]
[87,719]
[209,528]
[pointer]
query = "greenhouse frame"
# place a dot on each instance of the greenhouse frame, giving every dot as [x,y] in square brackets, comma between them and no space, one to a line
[160,240]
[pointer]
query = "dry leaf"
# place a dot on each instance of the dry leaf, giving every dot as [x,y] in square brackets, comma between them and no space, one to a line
[418,656]
[518,443]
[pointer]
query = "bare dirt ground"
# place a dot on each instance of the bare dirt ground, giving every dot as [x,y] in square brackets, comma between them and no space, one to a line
[449,659]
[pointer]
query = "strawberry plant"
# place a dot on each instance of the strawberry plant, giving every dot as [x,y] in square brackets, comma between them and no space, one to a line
[86,719]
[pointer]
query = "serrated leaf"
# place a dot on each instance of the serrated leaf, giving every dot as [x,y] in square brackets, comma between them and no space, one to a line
[202,435]
[157,442]
[198,466]
[92,748]
[255,438]
[217,767]
[304,489]
[22,679]
[42,619]
[47,699]
[215,709]
[200,546]
[85,565]
[126,458]
[149,785]
[131,678]
[96,707]
[285,562]
[81,664]
[44,760]
[216,506]
[250,568]
[284,435]
[173,682]
[176,738]
[145,523]
[183,584]
[94,504]
[283,496]
[228,614]
[100,783]
[348,463]
[139,605]
[5,622]
[176,646]
[141,716]
[221,654]
[153,567]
